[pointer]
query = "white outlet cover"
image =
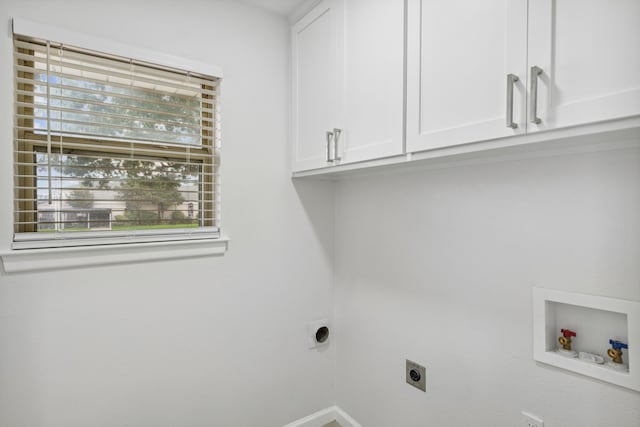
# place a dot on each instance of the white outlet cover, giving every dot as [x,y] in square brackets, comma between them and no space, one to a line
[531,420]
[312,328]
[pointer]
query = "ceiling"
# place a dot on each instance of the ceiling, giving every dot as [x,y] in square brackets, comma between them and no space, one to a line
[280,7]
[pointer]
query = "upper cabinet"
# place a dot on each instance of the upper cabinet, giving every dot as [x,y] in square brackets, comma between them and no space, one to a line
[376,79]
[466,71]
[587,54]
[496,68]
[318,93]
[348,77]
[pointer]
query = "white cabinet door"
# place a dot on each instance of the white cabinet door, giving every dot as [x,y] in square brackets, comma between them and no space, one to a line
[588,52]
[459,54]
[374,79]
[318,68]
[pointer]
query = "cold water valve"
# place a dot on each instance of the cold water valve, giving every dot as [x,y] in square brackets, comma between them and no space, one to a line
[615,352]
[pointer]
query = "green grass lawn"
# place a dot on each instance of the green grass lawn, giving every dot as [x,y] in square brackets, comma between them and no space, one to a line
[152,227]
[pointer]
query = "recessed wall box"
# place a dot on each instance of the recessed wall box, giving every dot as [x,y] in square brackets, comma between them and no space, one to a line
[596,320]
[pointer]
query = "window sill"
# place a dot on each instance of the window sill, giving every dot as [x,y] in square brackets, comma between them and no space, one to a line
[18,261]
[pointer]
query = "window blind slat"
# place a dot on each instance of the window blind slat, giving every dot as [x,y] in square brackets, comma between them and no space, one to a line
[108,91]
[195,159]
[147,131]
[143,134]
[164,150]
[113,61]
[110,69]
[115,99]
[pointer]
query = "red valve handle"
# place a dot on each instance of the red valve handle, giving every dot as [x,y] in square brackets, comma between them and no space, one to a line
[568,333]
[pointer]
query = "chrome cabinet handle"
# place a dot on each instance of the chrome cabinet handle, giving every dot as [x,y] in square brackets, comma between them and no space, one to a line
[533,107]
[329,138]
[511,79]
[336,137]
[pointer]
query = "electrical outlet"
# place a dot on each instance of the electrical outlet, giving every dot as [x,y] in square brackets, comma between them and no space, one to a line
[531,420]
[416,375]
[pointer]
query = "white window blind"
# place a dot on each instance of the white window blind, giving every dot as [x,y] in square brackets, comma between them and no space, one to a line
[110,149]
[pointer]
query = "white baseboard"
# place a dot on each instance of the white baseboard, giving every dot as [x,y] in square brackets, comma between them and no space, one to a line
[344,419]
[325,416]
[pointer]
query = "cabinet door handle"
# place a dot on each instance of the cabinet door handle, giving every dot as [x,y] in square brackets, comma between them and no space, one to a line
[329,139]
[511,79]
[336,137]
[533,107]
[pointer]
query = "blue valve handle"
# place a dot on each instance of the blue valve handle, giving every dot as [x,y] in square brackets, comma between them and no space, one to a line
[617,345]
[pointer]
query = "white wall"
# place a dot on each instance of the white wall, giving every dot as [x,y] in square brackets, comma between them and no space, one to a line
[437,266]
[203,342]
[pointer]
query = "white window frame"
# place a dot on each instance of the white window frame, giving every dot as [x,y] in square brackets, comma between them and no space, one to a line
[118,249]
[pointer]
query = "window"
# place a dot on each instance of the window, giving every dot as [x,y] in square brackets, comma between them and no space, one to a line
[111,150]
